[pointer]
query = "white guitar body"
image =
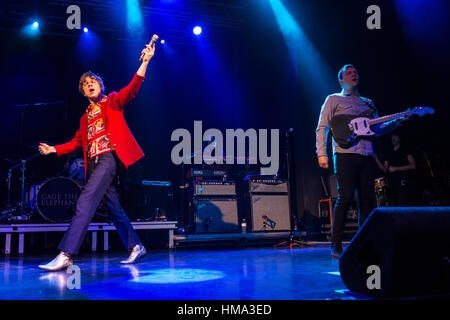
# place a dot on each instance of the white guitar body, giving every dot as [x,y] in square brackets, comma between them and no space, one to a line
[360,127]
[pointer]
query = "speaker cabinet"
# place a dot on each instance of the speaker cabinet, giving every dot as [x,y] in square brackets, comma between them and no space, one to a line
[400,252]
[215,215]
[270,213]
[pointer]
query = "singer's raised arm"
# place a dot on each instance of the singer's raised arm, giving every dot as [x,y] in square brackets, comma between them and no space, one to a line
[126,94]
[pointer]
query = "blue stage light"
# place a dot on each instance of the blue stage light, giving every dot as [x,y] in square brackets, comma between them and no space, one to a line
[163,41]
[85,29]
[31,30]
[197,30]
[180,275]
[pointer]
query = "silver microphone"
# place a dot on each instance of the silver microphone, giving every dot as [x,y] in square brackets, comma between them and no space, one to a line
[151,43]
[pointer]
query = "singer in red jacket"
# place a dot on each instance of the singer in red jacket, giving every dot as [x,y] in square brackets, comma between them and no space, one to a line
[107,145]
[115,127]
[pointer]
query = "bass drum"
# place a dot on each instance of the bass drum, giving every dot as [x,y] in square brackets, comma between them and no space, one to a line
[56,199]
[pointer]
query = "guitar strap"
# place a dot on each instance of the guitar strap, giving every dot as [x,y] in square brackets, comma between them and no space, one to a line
[369,105]
[374,113]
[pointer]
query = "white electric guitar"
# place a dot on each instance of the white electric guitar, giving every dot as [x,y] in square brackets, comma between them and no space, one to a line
[346,129]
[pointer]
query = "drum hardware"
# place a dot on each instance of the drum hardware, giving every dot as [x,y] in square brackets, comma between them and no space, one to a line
[21,209]
[76,169]
[55,200]
[381,192]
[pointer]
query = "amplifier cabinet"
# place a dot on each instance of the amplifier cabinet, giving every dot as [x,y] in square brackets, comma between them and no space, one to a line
[270,213]
[215,215]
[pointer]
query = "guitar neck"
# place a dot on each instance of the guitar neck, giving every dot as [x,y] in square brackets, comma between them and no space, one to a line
[387,118]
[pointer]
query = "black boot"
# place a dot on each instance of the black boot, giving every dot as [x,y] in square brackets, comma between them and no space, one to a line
[336,248]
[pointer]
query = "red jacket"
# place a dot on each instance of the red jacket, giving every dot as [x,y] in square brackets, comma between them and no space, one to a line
[116,128]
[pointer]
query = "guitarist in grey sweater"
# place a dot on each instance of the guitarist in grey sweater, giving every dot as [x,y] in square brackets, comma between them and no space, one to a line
[354,164]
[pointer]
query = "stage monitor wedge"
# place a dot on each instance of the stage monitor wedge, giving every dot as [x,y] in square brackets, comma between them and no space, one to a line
[400,252]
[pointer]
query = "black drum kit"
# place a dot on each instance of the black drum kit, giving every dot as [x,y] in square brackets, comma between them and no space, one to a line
[53,200]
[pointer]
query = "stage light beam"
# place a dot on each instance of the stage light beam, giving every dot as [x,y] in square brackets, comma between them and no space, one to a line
[85,29]
[35,25]
[134,20]
[306,59]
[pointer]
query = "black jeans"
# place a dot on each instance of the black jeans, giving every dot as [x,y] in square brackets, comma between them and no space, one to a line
[353,172]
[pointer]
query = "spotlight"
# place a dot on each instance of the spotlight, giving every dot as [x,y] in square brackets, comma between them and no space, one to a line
[163,41]
[85,29]
[35,25]
[197,30]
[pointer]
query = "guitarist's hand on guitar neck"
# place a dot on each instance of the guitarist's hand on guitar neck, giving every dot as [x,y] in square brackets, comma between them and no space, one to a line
[323,162]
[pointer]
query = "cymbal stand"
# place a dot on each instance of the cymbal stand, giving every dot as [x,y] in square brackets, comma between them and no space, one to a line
[22,202]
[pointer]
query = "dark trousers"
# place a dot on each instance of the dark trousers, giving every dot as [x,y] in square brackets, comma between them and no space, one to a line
[100,184]
[353,172]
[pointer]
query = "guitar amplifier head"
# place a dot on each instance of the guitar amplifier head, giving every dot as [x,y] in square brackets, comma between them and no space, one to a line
[268,186]
[214,188]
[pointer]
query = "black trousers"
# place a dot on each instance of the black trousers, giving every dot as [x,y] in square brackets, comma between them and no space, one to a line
[353,172]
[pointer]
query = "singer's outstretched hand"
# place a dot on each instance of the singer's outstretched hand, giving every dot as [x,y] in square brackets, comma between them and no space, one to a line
[45,149]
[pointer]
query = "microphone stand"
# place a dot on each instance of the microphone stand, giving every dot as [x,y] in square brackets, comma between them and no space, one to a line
[293,242]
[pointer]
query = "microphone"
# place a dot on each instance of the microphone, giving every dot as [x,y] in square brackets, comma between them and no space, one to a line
[151,43]
[269,222]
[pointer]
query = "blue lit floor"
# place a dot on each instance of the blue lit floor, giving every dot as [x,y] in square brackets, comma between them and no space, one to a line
[269,273]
